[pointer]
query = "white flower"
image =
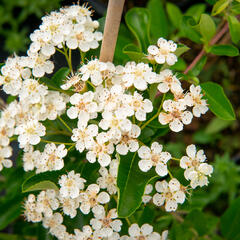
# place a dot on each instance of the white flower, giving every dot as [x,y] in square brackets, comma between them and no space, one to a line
[128,141]
[11,85]
[55,224]
[32,91]
[138,75]
[168,81]
[84,107]
[146,197]
[52,158]
[47,202]
[55,105]
[194,98]
[71,185]
[163,52]
[72,80]
[136,104]
[116,124]
[106,224]
[108,179]
[100,150]
[30,158]
[176,115]
[94,70]
[30,132]
[5,132]
[197,169]
[86,234]
[84,136]
[5,153]
[145,232]
[69,206]
[171,193]
[40,64]
[30,210]
[154,157]
[91,198]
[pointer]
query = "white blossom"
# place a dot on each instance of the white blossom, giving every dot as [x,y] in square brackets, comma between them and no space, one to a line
[30,158]
[108,179]
[194,99]
[146,197]
[30,210]
[163,52]
[154,157]
[176,115]
[52,158]
[5,153]
[106,223]
[197,169]
[91,198]
[170,193]
[71,184]
[168,81]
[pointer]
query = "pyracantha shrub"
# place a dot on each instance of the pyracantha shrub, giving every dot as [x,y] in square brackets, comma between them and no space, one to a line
[104,111]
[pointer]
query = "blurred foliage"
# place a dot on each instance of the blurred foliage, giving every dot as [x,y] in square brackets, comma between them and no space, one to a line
[16,19]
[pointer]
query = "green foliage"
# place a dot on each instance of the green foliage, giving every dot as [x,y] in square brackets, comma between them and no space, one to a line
[218,102]
[207,27]
[131,182]
[138,21]
[234,27]
[230,221]
[219,6]
[224,50]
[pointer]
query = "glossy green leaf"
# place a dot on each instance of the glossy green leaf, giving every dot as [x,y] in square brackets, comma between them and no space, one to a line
[217,100]
[133,53]
[224,50]
[10,209]
[159,24]
[43,185]
[138,21]
[58,78]
[234,27]
[195,11]
[181,48]
[230,221]
[46,180]
[174,14]
[235,8]
[187,25]
[207,27]
[131,182]
[199,66]
[219,6]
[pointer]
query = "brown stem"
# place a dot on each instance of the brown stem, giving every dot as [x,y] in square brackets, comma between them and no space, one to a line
[215,39]
[113,19]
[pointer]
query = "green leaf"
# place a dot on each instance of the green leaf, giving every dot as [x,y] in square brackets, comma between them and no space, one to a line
[200,221]
[174,14]
[218,102]
[159,24]
[207,27]
[199,66]
[219,6]
[224,50]
[235,8]
[234,27]
[43,185]
[133,53]
[59,76]
[181,48]
[46,180]
[195,11]
[229,224]
[217,125]
[138,21]
[131,182]
[187,25]
[10,210]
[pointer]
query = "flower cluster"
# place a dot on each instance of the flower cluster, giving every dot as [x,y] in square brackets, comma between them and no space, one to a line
[108,108]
